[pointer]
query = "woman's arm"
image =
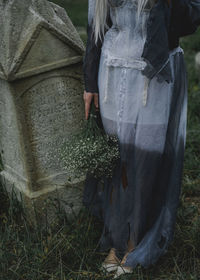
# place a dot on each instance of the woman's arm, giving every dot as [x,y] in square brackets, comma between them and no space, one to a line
[93,52]
[91,60]
[185,16]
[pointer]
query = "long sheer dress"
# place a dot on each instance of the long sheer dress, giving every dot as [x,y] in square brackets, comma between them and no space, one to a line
[140,201]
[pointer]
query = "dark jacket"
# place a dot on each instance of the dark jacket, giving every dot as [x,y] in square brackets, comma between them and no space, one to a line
[168,21]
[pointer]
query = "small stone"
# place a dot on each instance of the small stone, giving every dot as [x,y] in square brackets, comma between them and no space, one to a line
[197,61]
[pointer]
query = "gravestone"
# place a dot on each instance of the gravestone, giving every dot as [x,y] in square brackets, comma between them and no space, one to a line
[41,102]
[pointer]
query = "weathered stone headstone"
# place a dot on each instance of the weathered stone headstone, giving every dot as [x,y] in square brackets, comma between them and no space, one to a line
[41,102]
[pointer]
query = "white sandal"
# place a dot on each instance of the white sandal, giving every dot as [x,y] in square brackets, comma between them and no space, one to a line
[121,269]
[111,262]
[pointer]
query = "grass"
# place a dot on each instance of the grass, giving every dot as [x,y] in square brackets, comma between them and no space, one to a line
[68,251]
[64,252]
[76,9]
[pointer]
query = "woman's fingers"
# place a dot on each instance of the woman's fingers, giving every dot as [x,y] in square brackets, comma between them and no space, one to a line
[87,96]
[96,100]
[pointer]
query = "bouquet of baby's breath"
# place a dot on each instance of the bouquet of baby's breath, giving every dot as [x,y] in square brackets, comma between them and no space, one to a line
[91,150]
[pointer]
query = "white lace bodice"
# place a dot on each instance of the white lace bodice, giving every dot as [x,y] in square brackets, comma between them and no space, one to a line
[125,39]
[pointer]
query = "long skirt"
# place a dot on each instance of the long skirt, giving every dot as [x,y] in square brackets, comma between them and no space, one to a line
[139,203]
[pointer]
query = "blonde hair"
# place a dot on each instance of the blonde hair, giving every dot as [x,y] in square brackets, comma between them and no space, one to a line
[100,16]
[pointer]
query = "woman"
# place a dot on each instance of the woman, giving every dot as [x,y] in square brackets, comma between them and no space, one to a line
[134,69]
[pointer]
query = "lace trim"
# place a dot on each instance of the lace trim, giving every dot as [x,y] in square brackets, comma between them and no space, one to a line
[134,64]
[125,63]
[122,96]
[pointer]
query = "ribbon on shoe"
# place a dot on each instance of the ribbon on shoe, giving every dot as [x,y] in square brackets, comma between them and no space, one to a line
[111,262]
[121,269]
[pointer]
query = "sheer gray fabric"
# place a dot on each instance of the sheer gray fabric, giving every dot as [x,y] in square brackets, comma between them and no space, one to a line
[149,117]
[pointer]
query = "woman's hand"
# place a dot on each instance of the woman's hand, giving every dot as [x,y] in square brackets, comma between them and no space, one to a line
[88,96]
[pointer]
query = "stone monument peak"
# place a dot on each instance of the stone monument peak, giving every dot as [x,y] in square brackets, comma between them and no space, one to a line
[21,24]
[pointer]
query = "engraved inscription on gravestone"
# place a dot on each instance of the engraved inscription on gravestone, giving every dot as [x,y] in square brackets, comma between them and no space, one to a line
[52,112]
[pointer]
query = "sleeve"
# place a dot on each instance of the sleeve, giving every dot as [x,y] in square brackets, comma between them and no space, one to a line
[185,16]
[93,52]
